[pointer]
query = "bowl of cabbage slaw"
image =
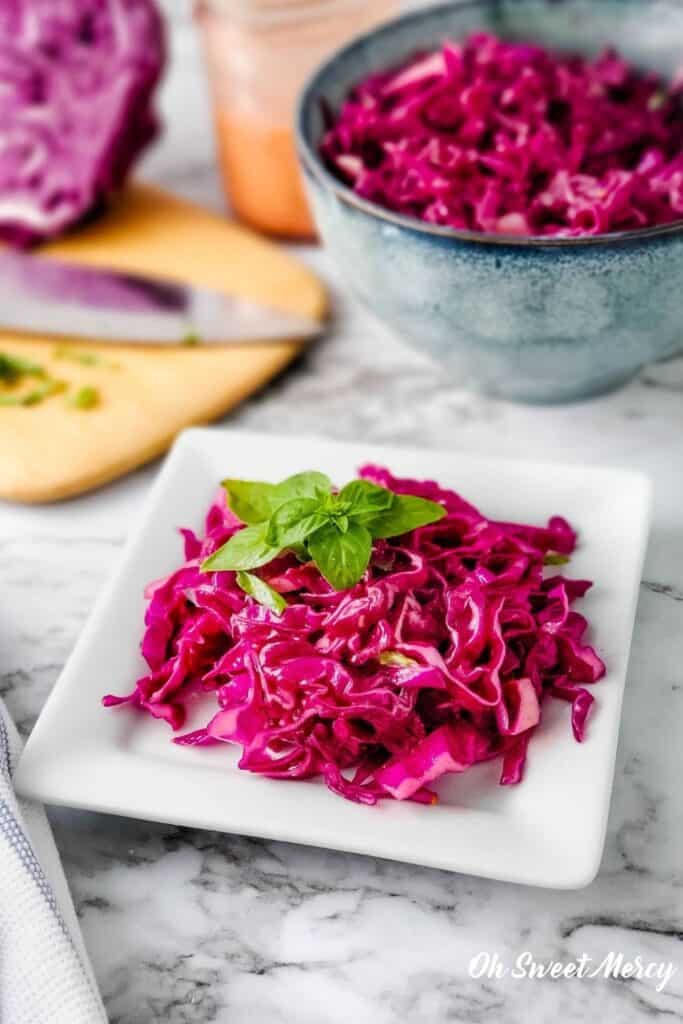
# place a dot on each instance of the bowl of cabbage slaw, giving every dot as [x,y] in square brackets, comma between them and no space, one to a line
[502,184]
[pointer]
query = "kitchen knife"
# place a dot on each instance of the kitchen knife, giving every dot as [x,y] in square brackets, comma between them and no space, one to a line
[44,296]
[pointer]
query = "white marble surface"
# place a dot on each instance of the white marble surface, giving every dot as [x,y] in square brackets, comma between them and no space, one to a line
[195,927]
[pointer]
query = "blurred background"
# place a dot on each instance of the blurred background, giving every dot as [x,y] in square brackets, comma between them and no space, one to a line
[184,157]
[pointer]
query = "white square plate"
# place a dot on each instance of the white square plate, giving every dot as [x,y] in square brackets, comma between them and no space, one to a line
[548,831]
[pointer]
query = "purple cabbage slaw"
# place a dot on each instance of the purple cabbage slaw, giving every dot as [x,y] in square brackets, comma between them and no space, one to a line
[441,657]
[75,109]
[508,138]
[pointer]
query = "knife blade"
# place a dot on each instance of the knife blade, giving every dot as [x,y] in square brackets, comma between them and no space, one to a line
[54,297]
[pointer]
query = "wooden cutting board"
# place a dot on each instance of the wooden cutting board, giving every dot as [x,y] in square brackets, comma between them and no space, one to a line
[51,450]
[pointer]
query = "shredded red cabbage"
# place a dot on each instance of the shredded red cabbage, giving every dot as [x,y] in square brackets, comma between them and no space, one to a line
[75,106]
[441,657]
[508,138]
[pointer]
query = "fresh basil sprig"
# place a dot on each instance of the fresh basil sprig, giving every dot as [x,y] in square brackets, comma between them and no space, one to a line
[304,514]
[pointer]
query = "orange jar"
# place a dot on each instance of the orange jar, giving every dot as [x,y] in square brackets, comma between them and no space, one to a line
[259,53]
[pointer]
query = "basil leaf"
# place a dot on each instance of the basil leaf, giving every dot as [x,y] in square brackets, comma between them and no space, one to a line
[365,500]
[257,588]
[246,549]
[294,521]
[251,501]
[341,557]
[406,513]
[302,485]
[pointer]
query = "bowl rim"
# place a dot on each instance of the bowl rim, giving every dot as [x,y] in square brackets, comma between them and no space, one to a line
[312,162]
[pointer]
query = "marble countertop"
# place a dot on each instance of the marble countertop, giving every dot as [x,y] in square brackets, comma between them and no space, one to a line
[189,926]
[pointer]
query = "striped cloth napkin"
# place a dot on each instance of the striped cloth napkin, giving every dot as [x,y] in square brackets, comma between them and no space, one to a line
[45,975]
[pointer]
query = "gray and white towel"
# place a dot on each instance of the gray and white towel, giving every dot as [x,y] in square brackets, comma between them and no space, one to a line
[45,975]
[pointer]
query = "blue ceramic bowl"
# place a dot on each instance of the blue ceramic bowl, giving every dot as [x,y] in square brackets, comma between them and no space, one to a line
[535,320]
